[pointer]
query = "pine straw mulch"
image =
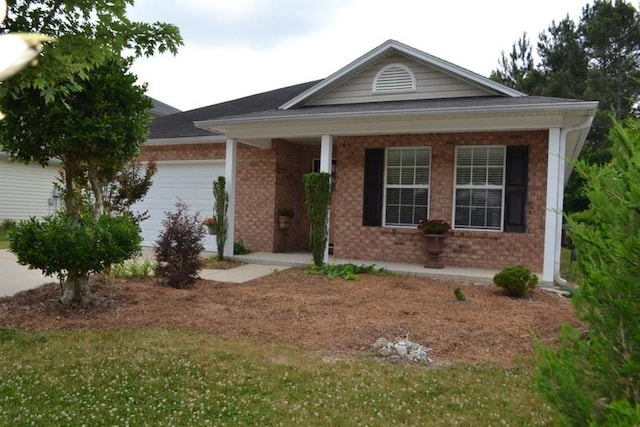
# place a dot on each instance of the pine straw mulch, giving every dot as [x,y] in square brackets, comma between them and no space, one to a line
[336,317]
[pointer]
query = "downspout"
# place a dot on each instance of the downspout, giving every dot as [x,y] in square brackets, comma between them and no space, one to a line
[558,245]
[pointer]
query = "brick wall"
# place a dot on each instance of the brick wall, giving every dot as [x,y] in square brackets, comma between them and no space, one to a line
[491,250]
[270,179]
[183,152]
[293,161]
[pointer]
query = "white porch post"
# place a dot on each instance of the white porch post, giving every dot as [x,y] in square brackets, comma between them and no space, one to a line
[555,188]
[230,176]
[326,156]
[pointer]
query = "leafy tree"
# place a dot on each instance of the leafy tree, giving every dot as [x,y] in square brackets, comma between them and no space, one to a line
[81,105]
[594,377]
[72,250]
[595,59]
[95,133]
[317,193]
[88,33]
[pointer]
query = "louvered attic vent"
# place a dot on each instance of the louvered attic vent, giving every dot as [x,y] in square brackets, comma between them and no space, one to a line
[394,78]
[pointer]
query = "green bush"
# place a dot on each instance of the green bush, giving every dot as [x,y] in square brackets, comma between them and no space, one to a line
[317,192]
[72,251]
[178,248]
[457,292]
[593,378]
[239,248]
[8,224]
[345,271]
[517,280]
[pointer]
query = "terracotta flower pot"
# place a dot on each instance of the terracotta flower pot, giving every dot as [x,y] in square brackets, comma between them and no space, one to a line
[435,246]
[284,222]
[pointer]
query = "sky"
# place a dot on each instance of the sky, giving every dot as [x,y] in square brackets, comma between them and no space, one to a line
[235,48]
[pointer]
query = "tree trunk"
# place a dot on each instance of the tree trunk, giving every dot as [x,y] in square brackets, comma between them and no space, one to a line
[96,189]
[70,203]
[76,290]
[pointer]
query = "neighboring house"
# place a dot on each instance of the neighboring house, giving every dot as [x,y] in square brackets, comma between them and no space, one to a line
[28,190]
[406,135]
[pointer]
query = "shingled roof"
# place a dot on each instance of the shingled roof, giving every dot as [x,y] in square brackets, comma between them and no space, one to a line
[180,125]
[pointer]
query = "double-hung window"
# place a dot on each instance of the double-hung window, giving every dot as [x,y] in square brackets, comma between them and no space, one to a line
[479,187]
[407,171]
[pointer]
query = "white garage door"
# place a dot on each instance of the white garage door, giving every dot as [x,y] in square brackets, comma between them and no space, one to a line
[190,181]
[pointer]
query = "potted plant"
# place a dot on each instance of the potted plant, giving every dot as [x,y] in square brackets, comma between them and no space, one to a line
[435,232]
[210,223]
[284,218]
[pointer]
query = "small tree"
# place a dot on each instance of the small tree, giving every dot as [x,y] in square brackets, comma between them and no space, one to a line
[73,250]
[178,247]
[220,209]
[595,376]
[317,190]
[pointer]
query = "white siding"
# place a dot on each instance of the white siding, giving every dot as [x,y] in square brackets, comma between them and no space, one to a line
[26,190]
[430,84]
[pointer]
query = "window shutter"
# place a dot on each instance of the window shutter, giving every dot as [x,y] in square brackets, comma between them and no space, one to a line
[516,189]
[373,186]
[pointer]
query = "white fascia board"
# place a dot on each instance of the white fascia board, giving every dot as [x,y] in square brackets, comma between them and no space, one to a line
[411,52]
[214,139]
[394,125]
[221,125]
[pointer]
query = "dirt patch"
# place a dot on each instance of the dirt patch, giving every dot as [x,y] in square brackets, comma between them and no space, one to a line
[337,317]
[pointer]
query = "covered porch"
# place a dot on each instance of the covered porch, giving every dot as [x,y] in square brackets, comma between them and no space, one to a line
[301,259]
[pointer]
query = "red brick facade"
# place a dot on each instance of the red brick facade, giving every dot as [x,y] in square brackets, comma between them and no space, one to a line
[272,178]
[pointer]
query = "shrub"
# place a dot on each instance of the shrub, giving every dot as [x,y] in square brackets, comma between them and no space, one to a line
[71,251]
[593,378]
[516,280]
[239,248]
[178,248]
[317,192]
[222,204]
[457,292]
[8,224]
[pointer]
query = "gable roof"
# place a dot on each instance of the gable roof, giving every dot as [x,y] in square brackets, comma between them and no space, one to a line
[159,108]
[389,48]
[180,125]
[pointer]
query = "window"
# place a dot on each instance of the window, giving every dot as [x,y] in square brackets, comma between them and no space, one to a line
[479,187]
[394,78]
[407,185]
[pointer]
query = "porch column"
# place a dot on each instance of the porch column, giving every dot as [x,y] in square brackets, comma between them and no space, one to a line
[231,158]
[553,218]
[326,156]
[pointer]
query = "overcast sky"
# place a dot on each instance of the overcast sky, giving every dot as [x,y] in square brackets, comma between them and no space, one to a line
[234,48]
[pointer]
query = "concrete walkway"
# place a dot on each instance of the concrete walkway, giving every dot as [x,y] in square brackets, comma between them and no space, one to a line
[15,277]
[299,259]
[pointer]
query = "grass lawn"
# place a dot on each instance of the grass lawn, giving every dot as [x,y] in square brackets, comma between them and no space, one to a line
[171,377]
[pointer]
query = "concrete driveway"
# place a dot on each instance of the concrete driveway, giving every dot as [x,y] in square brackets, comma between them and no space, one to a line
[15,277]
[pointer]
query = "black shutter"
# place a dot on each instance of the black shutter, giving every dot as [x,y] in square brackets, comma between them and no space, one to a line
[515,204]
[373,183]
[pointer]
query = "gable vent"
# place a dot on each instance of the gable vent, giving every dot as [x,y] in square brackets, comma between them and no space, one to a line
[394,78]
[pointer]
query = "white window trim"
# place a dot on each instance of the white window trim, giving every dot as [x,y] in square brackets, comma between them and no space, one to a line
[385,186]
[487,187]
[385,68]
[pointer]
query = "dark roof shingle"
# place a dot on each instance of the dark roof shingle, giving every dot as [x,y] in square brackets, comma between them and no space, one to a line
[180,125]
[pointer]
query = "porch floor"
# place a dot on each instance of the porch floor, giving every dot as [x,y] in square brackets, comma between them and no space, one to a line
[299,259]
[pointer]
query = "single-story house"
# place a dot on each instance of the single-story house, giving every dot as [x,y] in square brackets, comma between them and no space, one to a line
[406,136]
[28,190]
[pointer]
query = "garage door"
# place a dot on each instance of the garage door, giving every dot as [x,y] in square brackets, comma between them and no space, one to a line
[190,181]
